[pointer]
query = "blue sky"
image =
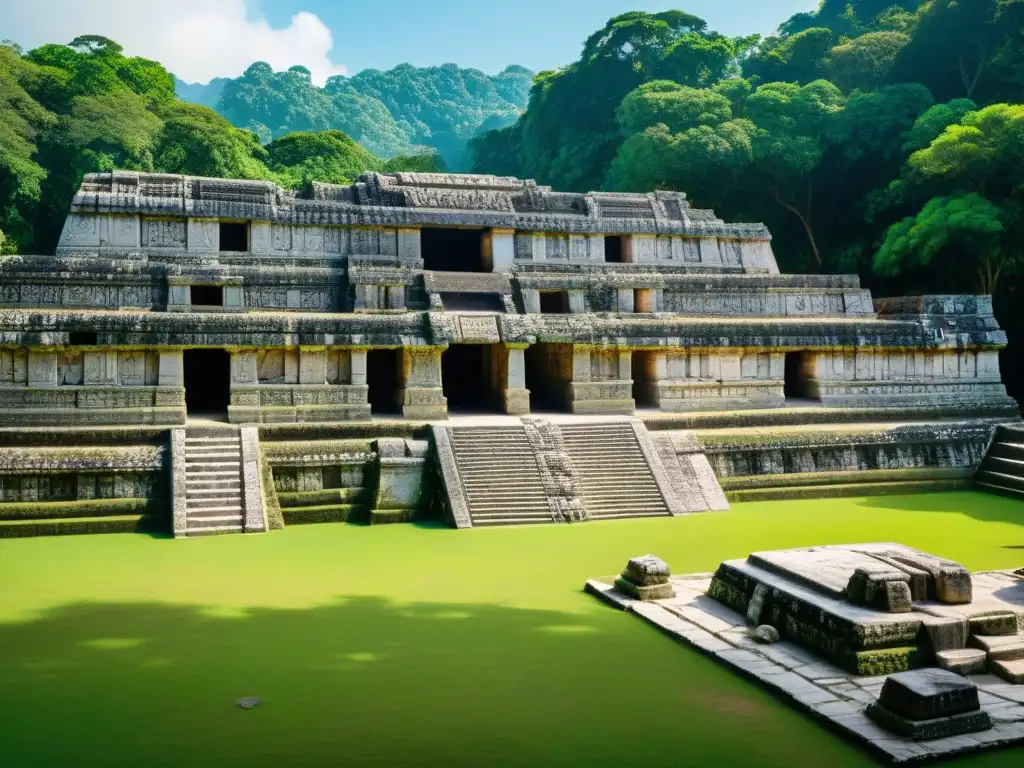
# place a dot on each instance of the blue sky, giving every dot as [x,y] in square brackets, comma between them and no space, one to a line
[488,35]
[202,39]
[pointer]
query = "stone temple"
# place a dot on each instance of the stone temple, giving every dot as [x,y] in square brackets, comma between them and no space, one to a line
[205,355]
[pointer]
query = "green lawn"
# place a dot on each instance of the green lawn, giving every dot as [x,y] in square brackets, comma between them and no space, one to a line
[407,645]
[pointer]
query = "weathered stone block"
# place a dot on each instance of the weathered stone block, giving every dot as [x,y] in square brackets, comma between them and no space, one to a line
[993,624]
[653,592]
[962,661]
[927,730]
[646,571]
[925,694]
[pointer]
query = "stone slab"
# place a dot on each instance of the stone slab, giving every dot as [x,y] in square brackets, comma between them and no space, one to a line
[925,730]
[1000,647]
[962,661]
[925,694]
[1011,671]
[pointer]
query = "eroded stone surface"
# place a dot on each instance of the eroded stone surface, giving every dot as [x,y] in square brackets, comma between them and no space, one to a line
[925,694]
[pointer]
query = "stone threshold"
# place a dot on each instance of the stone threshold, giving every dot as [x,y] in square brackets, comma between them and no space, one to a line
[830,695]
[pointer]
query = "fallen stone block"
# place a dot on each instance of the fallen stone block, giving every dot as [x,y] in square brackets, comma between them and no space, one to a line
[926,694]
[765,633]
[963,661]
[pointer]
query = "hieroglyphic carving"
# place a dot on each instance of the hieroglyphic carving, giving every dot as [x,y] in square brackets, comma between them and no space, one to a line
[163,233]
[81,231]
[281,237]
[479,329]
[69,369]
[132,368]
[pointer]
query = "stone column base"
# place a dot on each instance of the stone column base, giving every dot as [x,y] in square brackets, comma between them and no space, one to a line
[516,401]
[424,403]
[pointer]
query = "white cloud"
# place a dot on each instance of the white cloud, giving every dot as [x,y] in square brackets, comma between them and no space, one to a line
[195,39]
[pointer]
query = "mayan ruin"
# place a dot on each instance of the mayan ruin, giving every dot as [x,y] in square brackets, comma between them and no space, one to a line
[211,356]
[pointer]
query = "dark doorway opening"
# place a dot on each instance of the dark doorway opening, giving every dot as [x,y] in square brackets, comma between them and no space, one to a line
[468,378]
[234,236]
[453,250]
[549,376]
[554,302]
[82,338]
[207,296]
[207,380]
[613,249]
[795,385]
[645,377]
[382,378]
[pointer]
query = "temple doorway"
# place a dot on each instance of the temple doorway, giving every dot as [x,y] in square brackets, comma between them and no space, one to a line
[207,381]
[796,386]
[446,249]
[645,379]
[549,376]
[382,378]
[470,377]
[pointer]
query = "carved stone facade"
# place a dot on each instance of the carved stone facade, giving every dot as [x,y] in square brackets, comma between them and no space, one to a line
[340,300]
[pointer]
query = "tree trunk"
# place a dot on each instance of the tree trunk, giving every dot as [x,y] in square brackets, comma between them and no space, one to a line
[988,276]
[805,220]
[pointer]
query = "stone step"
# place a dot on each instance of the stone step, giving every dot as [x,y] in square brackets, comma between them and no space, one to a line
[1001,479]
[235,509]
[1001,490]
[215,529]
[1012,464]
[511,521]
[1011,671]
[211,440]
[203,458]
[999,647]
[213,502]
[504,509]
[209,488]
[219,519]
[624,515]
[516,513]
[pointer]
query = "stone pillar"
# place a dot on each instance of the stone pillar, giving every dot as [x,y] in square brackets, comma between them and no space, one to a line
[42,369]
[500,249]
[577,302]
[421,393]
[359,366]
[172,372]
[531,301]
[625,365]
[233,297]
[409,246]
[516,395]
[179,296]
[203,235]
[243,367]
[312,366]
[625,300]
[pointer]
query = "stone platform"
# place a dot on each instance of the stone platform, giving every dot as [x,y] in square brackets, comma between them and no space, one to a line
[832,695]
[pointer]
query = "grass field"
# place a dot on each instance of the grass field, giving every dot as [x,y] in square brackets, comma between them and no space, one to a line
[409,645]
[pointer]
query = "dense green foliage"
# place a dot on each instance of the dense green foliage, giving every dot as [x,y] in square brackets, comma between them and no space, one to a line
[872,136]
[389,113]
[69,110]
[473,648]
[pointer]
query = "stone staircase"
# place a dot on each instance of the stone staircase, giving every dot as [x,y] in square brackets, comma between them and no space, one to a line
[614,474]
[500,476]
[1004,650]
[1002,470]
[213,482]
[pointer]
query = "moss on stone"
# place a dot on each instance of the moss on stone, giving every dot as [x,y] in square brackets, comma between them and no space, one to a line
[887,661]
[271,503]
[147,523]
[290,499]
[745,482]
[327,513]
[47,510]
[850,489]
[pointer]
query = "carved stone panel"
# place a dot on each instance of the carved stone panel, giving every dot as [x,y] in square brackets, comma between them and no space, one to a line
[244,367]
[312,367]
[69,369]
[131,368]
[203,235]
[80,232]
[480,329]
[270,366]
[163,233]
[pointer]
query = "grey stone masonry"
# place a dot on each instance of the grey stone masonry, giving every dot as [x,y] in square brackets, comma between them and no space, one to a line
[829,694]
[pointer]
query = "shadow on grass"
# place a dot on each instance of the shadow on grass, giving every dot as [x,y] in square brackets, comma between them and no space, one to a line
[365,682]
[976,504]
